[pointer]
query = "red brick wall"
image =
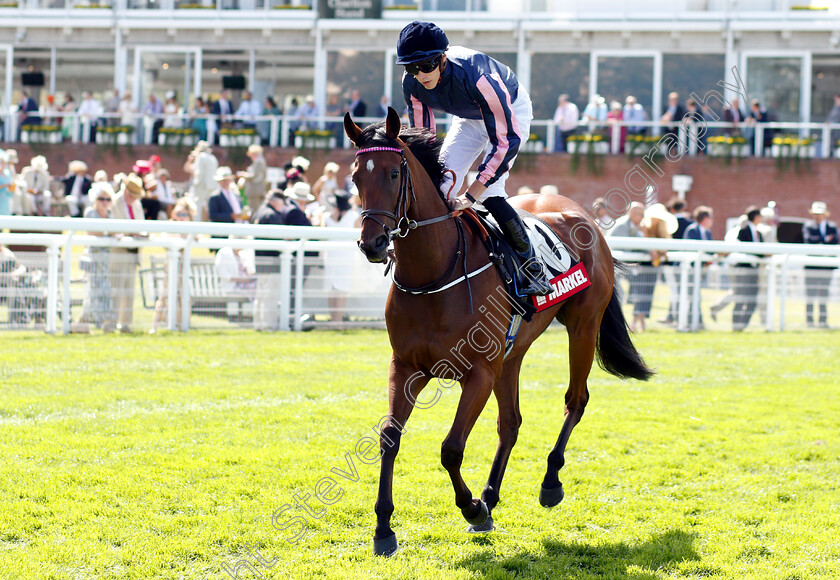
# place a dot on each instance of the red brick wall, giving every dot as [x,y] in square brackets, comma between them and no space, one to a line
[727,189]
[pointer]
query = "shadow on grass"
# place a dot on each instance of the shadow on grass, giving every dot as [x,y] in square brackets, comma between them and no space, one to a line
[583,560]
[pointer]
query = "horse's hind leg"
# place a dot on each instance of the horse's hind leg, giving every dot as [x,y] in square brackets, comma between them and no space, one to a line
[507,395]
[474,394]
[583,334]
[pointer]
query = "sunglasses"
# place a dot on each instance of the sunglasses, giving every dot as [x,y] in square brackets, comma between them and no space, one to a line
[422,67]
[182,214]
[108,199]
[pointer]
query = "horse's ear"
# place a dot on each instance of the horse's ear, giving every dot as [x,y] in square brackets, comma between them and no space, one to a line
[352,129]
[393,123]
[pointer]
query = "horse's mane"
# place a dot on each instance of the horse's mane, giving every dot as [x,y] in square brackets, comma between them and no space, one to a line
[422,143]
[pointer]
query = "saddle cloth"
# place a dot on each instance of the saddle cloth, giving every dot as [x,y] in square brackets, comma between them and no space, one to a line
[566,273]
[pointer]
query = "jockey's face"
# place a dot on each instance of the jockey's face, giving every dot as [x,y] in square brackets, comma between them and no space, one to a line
[430,80]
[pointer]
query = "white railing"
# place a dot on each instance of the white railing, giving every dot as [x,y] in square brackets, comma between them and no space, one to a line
[689,263]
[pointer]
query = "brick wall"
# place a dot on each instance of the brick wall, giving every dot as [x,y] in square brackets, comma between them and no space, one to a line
[727,189]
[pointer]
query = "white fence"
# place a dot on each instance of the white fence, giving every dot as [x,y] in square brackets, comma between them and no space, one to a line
[319,279]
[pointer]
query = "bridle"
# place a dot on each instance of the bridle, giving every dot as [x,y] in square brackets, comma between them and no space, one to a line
[404,224]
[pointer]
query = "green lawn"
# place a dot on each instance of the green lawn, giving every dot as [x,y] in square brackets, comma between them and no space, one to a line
[166,456]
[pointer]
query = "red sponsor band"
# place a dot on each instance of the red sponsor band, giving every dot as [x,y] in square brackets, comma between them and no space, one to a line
[565,286]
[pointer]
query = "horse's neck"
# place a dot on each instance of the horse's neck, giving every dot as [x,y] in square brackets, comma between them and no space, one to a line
[426,252]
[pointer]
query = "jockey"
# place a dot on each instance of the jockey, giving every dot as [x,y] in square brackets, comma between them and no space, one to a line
[492,118]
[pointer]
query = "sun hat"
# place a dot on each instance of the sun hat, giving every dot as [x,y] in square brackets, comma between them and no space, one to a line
[658,211]
[818,208]
[223,172]
[133,184]
[300,191]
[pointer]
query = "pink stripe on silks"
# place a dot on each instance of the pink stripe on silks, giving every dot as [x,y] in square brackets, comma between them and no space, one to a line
[416,111]
[495,104]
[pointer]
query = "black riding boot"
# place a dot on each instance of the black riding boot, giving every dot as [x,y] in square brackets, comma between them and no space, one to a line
[532,278]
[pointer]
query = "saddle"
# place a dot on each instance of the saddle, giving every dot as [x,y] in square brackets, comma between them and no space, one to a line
[562,265]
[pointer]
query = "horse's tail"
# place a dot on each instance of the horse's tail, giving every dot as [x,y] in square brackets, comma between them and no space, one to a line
[616,353]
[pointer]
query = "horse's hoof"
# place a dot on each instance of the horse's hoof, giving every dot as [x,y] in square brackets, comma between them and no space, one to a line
[551,496]
[386,546]
[481,517]
[487,526]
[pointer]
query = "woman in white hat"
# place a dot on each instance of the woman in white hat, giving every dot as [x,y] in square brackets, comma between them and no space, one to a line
[818,230]
[36,197]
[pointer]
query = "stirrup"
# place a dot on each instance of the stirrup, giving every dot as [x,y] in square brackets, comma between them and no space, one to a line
[535,282]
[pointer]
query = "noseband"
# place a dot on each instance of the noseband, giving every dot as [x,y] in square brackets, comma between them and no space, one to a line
[402,223]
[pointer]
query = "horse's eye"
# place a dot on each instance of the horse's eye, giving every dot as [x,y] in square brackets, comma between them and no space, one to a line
[395,173]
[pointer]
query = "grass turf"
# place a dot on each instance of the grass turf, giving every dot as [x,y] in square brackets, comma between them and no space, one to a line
[166,457]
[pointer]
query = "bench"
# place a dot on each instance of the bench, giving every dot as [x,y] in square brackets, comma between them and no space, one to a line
[206,295]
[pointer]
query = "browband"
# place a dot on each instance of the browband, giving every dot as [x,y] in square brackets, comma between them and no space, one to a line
[375,149]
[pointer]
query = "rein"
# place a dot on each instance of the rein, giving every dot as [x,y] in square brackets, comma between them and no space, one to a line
[404,224]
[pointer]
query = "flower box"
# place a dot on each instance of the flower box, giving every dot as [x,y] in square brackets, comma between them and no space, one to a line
[178,138]
[40,135]
[597,147]
[314,142]
[113,138]
[727,150]
[801,151]
[533,147]
[239,139]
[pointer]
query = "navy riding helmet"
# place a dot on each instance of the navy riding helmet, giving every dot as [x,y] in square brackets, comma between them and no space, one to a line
[420,41]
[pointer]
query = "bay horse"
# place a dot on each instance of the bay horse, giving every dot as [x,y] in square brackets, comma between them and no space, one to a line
[434,330]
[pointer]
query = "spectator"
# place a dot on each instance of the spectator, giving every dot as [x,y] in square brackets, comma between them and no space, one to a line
[235,268]
[327,184]
[249,109]
[68,107]
[163,192]
[746,277]
[201,165]
[90,111]
[222,111]
[633,113]
[338,264]
[98,307]
[761,115]
[630,225]
[382,107]
[615,115]
[26,107]
[126,206]
[36,197]
[112,107]
[308,114]
[602,215]
[183,211]
[701,229]
[834,117]
[76,187]
[224,206]
[672,274]
[695,120]
[270,109]
[128,111]
[356,106]
[767,227]
[818,230]
[732,114]
[293,124]
[252,180]
[7,185]
[198,115]
[51,110]
[153,113]
[596,110]
[566,118]
[171,112]
[672,115]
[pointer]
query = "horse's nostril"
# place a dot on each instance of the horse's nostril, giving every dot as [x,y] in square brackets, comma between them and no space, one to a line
[381,243]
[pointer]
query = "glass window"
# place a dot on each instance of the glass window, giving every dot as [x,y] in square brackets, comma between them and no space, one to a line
[32,73]
[692,73]
[620,76]
[825,77]
[775,83]
[80,70]
[284,75]
[354,70]
[165,73]
[554,74]
[224,69]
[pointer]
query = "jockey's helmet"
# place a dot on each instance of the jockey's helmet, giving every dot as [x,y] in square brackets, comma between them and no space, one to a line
[420,41]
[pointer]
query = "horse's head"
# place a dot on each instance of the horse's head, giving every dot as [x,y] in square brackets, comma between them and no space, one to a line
[381,176]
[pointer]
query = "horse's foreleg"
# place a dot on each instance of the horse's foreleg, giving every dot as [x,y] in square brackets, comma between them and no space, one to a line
[507,395]
[404,385]
[582,339]
[476,390]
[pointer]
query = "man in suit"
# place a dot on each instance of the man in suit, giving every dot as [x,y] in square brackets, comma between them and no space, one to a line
[629,225]
[126,206]
[746,274]
[26,107]
[701,229]
[673,113]
[356,107]
[253,178]
[76,187]
[758,114]
[225,205]
[223,111]
[732,114]
[818,230]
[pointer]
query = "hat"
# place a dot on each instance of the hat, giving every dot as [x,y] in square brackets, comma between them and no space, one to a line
[101,187]
[301,162]
[331,167]
[255,149]
[768,212]
[12,155]
[77,167]
[134,185]
[100,176]
[340,199]
[39,162]
[170,94]
[202,146]
[154,159]
[420,41]
[142,167]
[549,189]
[163,172]
[658,211]
[300,191]
[223,173]
[818,208]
